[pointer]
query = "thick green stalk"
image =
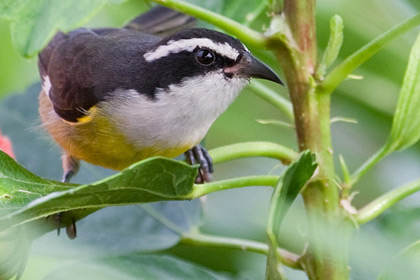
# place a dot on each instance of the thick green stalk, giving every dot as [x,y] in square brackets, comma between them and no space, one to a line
[312,122]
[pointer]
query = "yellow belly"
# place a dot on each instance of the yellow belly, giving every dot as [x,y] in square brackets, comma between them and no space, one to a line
[97,141]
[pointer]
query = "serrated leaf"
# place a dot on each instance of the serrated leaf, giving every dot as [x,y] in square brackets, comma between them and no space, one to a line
[285,192]
[134,266]
[23,195]
[406,123]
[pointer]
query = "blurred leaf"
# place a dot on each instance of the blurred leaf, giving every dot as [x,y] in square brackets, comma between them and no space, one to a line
[405,265]
[134,266]
[124,230]
[24,194]
[406,124]
[34,22]
[286,191]
[14,249]
[402,223]
[334,44]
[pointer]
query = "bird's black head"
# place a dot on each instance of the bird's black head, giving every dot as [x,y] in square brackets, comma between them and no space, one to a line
[199,51]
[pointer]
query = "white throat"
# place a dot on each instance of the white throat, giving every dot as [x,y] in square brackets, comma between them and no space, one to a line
[180,115]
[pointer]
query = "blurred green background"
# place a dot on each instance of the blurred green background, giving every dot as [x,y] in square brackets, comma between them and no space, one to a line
[242,213]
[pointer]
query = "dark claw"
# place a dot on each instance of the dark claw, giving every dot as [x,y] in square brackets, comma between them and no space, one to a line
[57,218]
[198,154]
[72,230]
[70,166]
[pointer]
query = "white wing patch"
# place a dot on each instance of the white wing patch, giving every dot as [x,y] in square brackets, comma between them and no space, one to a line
[46,85]
[189,45]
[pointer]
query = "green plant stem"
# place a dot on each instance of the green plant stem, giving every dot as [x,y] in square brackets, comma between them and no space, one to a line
[196,238]
[203,189]
[372,161]
[312,121]
[339,73]
[253,149]
[273,98]
[382,203]
[199,239]
[243,33]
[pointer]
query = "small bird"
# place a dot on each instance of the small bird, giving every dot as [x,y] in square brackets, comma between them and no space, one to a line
[114,96]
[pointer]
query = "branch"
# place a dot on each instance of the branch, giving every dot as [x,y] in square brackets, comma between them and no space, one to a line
[371,162]
[243,33]
[382,203]
[253,149]
[339,73]
[203,189]
[199,239]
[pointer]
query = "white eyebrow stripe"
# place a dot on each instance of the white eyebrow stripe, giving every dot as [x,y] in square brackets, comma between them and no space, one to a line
[189,45]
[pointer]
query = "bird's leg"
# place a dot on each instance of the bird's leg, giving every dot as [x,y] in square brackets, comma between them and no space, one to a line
[70,167]
[199,154]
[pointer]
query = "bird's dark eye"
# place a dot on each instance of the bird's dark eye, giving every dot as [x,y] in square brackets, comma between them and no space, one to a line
[204,56]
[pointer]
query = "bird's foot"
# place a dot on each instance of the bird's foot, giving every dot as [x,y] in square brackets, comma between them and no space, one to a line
[199,155]
[70,167]
[71,230]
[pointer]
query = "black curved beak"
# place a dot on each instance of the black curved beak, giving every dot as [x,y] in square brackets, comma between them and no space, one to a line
[249,66]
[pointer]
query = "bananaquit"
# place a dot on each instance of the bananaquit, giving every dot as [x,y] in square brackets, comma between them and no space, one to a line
[112,97]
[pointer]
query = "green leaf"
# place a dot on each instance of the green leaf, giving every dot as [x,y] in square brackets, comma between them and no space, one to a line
[400,223]
[34,22]
[23,194]
[406,123]
[125,229]
[14,250]
[405,264]
[345,170]
[286,191]
[405,130]
[289,187]
[134,266]
[334,45]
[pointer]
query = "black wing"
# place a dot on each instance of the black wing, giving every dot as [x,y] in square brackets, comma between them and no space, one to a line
[85,66]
